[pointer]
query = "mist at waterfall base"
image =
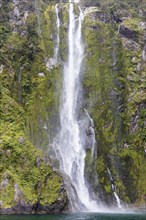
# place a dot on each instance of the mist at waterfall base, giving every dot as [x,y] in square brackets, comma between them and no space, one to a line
[78,216]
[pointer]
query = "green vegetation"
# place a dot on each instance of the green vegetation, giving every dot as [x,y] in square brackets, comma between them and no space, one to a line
[28,104]
[114,94]
[114,84]
[22,164]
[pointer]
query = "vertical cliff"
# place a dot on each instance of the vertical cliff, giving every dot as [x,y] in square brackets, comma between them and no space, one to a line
[114,91]
[113,79]
[29,103]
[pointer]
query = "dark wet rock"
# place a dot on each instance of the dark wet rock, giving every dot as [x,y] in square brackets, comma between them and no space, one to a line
[18,209]
[116,18]
[56,207]
[27,208]
[128,33]
[89,131]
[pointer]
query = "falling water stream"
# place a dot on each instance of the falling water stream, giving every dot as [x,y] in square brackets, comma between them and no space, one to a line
[114,190]
[58,34]
[70,150]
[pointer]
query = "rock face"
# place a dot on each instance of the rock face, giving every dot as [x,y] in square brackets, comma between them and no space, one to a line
[25,191]
[22,207]
[128,33]
[28,183]
[144,53]
[114,95]
[113,83]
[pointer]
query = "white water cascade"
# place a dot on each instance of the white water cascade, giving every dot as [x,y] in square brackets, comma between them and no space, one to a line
[69,148]
[58,31]
[114,190]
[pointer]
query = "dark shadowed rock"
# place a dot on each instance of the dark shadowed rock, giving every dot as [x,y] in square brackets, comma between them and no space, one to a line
[128,33]
[116,18]
[28,208]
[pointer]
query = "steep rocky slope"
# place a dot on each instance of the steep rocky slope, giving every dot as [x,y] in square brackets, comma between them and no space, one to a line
[113,79]
[28,183]
[114,90]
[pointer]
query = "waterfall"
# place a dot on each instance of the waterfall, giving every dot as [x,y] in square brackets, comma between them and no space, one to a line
[69,148]
[114,190]
[58,36]
[118,200]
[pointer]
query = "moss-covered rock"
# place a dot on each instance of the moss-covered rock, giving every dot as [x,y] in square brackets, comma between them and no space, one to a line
[113,91]
[28,104]
[27,181]
[112,83]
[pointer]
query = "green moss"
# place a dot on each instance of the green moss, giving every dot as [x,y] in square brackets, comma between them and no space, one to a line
[52,187]
[7,196]
[133,23]
[113,101]
[17,156]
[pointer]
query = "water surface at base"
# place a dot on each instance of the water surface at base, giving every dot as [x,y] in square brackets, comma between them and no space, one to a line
[80,216]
